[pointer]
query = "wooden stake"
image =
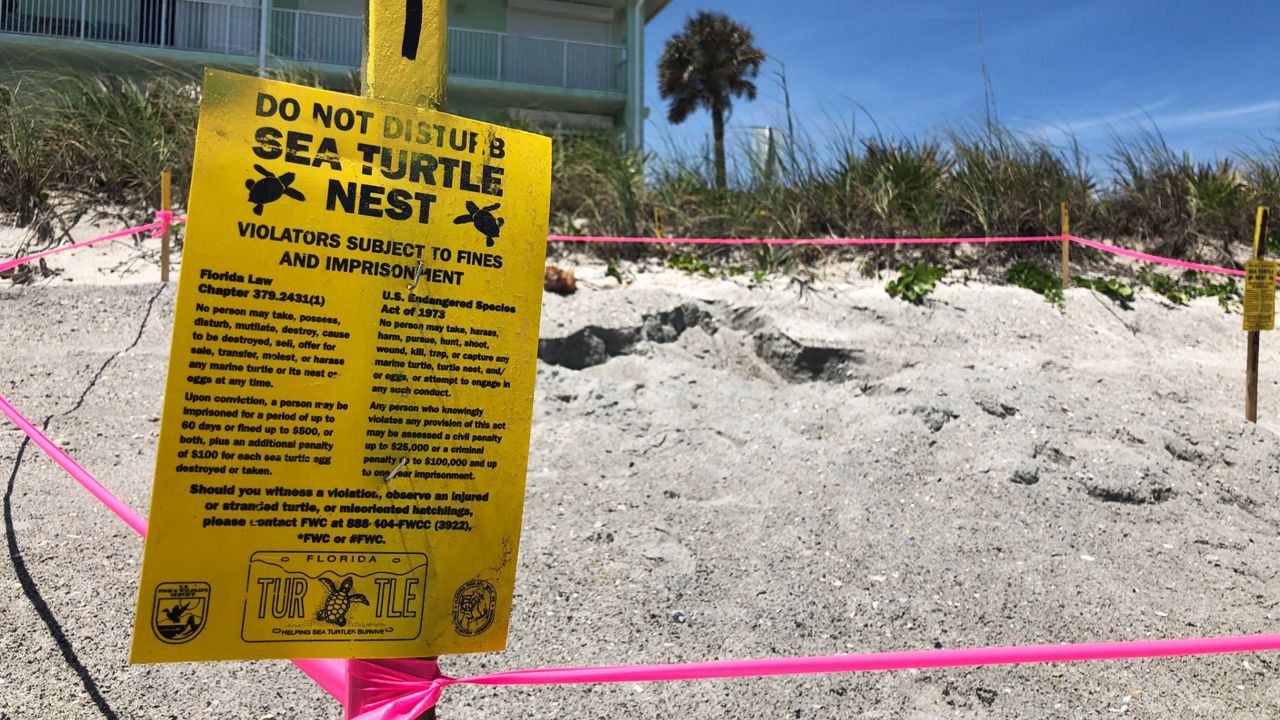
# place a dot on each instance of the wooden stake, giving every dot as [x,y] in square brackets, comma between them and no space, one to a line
[405,62]
[1251,379]
[1066,245]
[166,204]
[1251,357]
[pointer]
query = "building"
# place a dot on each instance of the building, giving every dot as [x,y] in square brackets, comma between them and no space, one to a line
[567,64]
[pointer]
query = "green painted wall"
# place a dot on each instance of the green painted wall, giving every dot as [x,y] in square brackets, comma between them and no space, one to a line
[620,28]
[478,14]
[341,7]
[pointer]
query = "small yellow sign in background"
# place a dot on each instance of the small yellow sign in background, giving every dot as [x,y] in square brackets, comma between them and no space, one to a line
[1260,295]
[346,424]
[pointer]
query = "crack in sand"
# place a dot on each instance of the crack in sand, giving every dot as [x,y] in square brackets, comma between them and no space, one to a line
[25,579]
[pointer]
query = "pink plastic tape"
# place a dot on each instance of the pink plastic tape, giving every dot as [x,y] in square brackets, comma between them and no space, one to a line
[1155,258]
[800,241]
[164,219]
[328,674]
[395,689]
[390,690]
[82,476]
[904,241]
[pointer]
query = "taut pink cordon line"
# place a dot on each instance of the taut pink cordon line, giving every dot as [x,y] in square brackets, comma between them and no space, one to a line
[395,689]
[164,219]
[801,241]
[327,673]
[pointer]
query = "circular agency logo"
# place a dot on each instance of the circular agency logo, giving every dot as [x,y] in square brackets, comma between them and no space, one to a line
[474,606]
[179,611]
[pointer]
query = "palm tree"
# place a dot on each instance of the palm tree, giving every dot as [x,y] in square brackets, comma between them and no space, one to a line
[708,64]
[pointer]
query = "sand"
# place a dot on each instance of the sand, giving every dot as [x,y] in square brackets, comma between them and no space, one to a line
[721,469]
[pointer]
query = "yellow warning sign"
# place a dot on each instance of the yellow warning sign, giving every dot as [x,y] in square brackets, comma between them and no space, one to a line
[346,423]
[1260,295]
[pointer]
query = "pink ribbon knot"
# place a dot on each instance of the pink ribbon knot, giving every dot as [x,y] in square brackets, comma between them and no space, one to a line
[392,689]
[165,218]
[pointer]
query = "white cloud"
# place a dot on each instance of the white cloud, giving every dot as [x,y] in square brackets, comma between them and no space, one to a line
[1209,117]
[1144,115]
[1076,127]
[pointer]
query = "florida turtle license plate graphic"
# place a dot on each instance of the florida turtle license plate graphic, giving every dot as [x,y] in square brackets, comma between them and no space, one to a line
[296,595]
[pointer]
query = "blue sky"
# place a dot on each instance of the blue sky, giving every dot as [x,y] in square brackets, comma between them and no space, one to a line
[1204,72]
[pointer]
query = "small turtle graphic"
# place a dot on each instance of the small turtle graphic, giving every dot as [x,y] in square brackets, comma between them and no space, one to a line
[270,188]
[336,604]
[483,219]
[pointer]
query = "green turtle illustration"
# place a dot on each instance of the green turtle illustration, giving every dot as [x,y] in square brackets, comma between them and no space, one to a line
[336,604]
[483,219]
[269,188]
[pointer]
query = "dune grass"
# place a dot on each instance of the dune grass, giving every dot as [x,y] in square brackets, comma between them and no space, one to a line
[75,144]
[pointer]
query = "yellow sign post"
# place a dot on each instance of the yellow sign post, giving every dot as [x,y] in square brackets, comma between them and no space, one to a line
[1259,309]
[405,59]
[342,458]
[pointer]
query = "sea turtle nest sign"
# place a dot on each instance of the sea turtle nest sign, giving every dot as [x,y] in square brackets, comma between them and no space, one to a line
[346,422]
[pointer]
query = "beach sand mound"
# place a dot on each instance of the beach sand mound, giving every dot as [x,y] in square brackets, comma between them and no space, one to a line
[720,470]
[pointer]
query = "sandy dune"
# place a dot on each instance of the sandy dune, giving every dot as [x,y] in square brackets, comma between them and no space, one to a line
[720,470]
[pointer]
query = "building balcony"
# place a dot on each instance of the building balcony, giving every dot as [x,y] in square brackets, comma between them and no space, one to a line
[501,57]
[329,41]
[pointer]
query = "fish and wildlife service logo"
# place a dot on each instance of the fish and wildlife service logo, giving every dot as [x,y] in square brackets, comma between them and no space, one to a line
[269,188]
[179,611]
[474,606]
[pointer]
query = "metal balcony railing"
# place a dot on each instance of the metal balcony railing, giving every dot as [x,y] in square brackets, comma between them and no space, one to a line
[317,37]
[212,26]
[536,61]
[223,27]
[231,27]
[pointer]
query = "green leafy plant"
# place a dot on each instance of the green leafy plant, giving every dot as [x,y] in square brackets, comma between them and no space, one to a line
[1227,292]
[915,282]
[1120,293]
[689,263]
[1032,277]
[613,272]
[1172,290]
[1273,243]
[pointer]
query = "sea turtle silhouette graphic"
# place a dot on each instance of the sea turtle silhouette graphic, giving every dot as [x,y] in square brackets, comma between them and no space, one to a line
[269,188]
[336,604]
[483,219]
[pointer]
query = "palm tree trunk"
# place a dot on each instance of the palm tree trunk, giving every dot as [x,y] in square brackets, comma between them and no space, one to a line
[717,139]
